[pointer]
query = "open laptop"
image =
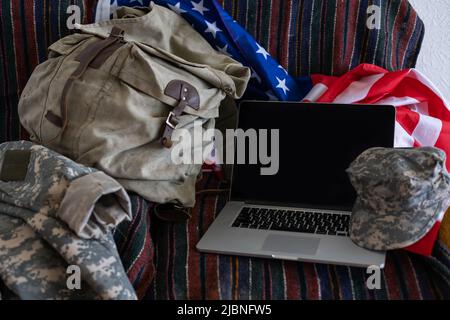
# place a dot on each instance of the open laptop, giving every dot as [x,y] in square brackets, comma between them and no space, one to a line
[303,211]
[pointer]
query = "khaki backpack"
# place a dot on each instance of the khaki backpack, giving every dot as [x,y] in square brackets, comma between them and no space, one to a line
[112,96]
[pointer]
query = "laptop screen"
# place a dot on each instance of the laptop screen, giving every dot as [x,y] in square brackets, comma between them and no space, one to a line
[316,144]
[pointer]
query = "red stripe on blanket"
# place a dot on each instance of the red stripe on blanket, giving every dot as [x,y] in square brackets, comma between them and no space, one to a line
[339,39]
[285,34]
[292,280]
[392,283]
[404,42]
[32,54]
[352,19]
[312,285]
[89,12]
[411,279]
[396,34]
[18,45]
[149,269]
[273,27]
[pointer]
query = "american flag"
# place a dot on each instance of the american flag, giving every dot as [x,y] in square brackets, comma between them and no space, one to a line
[423,114]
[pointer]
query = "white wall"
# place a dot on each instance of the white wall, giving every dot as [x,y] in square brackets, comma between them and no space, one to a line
[434,58]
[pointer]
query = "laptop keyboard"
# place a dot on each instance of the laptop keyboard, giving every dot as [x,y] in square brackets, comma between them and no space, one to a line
[322,223]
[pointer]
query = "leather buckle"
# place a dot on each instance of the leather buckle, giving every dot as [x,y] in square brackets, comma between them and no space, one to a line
[119,36]
[170,119]
[117,33]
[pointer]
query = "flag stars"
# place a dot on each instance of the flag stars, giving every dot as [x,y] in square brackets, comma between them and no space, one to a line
[199,7]
[177,8]
[223,50]
[212,28]
[262,51]
[282,85]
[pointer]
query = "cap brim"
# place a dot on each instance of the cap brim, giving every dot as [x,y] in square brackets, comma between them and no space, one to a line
[383,231]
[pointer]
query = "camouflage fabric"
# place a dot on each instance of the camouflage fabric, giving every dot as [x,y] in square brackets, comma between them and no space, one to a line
[401,194]
[60,214]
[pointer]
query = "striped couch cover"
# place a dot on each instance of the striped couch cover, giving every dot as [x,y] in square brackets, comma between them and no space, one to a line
[311,36]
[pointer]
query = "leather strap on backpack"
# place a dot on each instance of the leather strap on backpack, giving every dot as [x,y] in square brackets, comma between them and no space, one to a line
[93,56]
[186,95]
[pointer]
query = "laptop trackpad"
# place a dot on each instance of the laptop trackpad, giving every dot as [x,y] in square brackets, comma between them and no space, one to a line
[290,244]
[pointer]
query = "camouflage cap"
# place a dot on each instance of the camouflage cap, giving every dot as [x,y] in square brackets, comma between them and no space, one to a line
[401,194]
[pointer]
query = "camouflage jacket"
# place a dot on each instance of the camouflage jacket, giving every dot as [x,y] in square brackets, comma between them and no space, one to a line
[55,222]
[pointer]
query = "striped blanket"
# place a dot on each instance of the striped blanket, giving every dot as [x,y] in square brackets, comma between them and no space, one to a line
[184,273]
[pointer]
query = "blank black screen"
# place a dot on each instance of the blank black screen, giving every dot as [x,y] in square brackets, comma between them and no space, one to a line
[317,144]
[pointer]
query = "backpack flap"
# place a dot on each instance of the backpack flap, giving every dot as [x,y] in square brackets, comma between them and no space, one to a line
[163,33]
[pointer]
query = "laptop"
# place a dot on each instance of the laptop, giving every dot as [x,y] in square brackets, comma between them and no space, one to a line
[302,212]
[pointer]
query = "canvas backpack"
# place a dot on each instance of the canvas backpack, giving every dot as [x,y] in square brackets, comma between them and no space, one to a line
[113,95]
